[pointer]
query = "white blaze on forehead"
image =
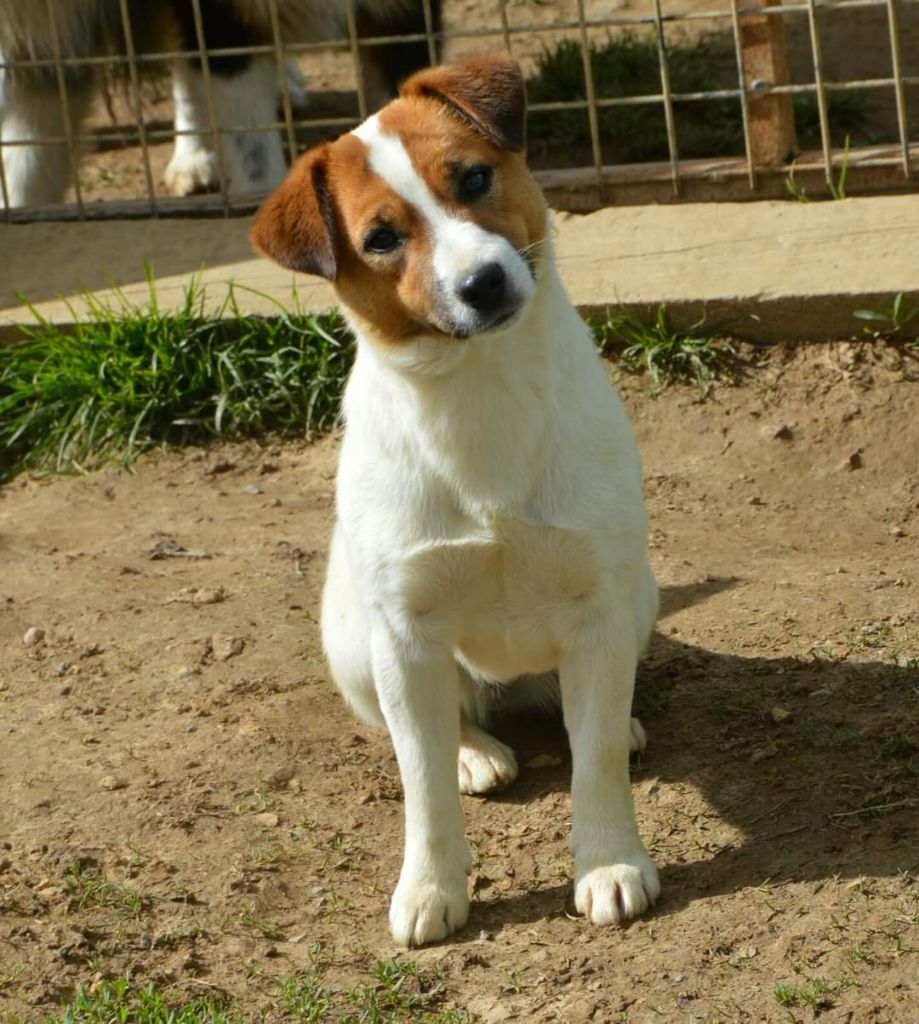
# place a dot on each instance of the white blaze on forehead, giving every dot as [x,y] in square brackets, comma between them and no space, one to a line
[389,159]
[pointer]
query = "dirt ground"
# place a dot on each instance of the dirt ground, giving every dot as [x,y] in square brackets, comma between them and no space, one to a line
[188,801]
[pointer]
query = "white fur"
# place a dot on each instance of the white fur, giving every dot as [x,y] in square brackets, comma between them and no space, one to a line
[491,526]
[253,160]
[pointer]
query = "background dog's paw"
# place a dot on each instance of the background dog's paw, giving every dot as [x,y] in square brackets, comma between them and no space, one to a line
[425,911]
[190,172]
[484,764]
[616,893]
[638,738]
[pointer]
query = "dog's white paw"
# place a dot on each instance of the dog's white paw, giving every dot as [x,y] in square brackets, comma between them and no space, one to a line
[638,738]
[615,893]
[428,910]
[191,171]
[485,764]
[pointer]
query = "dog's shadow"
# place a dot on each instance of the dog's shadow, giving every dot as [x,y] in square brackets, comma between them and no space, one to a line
[757,768]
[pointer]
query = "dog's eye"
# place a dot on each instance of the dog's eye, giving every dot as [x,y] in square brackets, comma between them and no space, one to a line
[474,183]
[381,240]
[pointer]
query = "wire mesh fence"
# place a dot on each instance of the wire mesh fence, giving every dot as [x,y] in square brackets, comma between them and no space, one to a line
[180,112]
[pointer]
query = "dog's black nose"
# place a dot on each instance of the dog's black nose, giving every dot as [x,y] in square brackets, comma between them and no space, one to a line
[484,289]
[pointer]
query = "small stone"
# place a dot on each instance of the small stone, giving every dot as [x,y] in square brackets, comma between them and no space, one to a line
[252,489]
[187,670]
[60,668]
[897,531]
[267,819]
[200,595]
[295,786]
[854,461]
[33,636]
[224,646]
[783,433]
[779,715]
[755,500]
[543,761]
[280,776]
[112,782]
[191,727]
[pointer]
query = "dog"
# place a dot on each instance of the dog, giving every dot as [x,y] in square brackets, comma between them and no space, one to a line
[244,87]
[490,545]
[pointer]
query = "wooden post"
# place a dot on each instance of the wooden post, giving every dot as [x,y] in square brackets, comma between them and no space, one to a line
[772,120]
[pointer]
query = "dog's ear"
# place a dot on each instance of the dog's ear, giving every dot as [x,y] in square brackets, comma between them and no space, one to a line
[488,92]
[296,224]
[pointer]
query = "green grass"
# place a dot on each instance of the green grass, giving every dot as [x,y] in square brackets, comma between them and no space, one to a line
[89,888]
[112,1002]
[814,992]
[130,377]
[898,323]
[670,355]
[628,65]
[396,992]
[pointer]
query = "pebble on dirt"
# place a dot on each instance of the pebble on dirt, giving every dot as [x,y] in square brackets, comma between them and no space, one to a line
[33,636]
[112,782]
[224,646]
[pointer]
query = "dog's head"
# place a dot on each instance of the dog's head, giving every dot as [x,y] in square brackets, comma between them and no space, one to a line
[425,217]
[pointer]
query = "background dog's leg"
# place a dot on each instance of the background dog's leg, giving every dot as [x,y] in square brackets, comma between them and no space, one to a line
[614,877]
[245,93]
[419,695]
[253,160]
[30,110]
[384,67]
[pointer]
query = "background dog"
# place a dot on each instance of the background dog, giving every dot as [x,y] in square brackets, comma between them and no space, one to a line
[491,530]
[245,88]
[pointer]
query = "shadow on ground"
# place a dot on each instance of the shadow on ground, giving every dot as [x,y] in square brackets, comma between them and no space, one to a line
[807,768]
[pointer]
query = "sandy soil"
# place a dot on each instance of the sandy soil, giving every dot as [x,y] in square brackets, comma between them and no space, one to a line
[186,799]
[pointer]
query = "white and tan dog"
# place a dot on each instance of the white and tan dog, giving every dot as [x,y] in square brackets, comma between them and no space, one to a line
[491,529]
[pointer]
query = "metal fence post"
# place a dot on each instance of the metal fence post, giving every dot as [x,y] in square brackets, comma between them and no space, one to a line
[772,119]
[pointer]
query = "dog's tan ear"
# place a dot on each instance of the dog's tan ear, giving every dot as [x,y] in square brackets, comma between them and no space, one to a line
[488,92]
[296,224]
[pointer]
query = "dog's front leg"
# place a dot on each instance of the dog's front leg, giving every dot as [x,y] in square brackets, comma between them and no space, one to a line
[614,877]
[418,688]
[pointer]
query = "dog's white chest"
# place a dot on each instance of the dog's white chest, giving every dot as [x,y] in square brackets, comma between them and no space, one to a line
[503,595]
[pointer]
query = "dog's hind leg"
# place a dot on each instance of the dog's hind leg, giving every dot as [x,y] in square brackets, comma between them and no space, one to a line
[37,171]
[485,764]
[346,637]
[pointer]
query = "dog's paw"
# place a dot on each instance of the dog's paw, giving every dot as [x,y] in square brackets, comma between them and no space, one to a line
[485,764]
[425,910]
[615,893]
[638,738]
[191,171]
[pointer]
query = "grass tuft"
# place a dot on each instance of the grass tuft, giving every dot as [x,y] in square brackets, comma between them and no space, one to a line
[130,377]
[119,1000]
[670,355]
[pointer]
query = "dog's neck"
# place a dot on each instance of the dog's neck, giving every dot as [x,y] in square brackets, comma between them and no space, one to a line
[477,413]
